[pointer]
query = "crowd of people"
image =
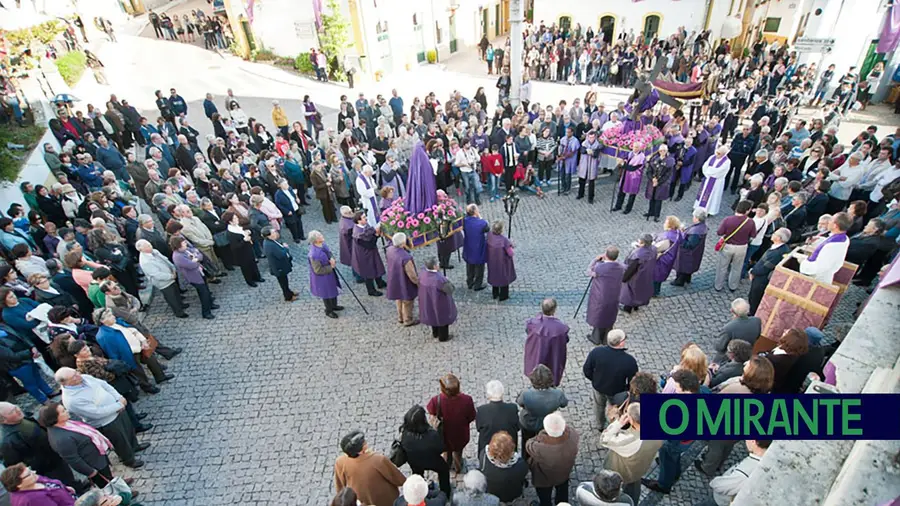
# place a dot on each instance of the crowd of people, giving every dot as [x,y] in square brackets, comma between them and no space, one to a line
[189,27]
[144,203]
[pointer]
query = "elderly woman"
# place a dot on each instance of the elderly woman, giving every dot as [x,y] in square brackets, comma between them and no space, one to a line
[18,354]
[500,264]
[241,243]
[27,488]
[121,341]
[424,447]
[323,280]
[755,193]
[537,402]
[503,468]
[83,447]
[374,478]
[45,292]
[667,246]
[126,306]
[455,412]
[9,278]
[14,311]
[792,345]
[475,491]
[690,251]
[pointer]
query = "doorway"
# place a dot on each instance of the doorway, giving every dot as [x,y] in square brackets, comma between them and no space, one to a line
[485,14]
[651,27]
[608,28]
[497,20]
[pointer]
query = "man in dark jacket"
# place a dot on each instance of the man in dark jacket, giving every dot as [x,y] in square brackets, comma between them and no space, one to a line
[795,218]
[289,205]
[17,359]
[738,352]
[23,440]
[741,327]
[742,146]
[610,369]
[495,416]
[762,270]
[280,261]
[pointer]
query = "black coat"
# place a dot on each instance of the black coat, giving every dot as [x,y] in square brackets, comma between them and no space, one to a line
[493,417]
[65,282]
[55,299]
[423,451]
[280,259]
[812,361]
[15,351]
[27,442]
[241,250]
[78,451]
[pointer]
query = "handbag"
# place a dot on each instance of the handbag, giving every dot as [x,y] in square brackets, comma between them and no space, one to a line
[397,454]
[721,242]
[117,486]
[614,69]
[221,239]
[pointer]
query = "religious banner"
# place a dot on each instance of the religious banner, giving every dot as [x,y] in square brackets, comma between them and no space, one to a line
[890,30]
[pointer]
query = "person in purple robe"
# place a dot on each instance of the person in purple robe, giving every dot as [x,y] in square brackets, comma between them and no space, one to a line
[587,165]
[658,171]
[690,251]
[402,280]
[637,281]
[701,143]
[365,258]
[436,306]
[603,303]
[474,247]
[666,245]
[501,267]
[712,130]
[568,155]
[684,167]
[345,234]
[630,180]
[323,280]
[546,343]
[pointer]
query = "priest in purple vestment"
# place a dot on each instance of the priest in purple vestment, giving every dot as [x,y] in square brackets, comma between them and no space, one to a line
[690,251]
[637,282]
[323,281]
[630,180]
[546,343]
[436,306]
[603,302]
[365,257]
[402,279]
[666,245]
[501,268]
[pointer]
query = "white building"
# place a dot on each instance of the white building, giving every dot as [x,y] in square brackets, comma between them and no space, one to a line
[651,18]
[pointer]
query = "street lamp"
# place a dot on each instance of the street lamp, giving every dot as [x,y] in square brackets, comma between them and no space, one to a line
[510,206]
[444,228]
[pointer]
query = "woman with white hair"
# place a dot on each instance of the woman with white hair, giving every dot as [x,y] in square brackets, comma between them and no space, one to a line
[551,458]
[495,416]
[323,281]
[416,492]
[475,493]
[604,490]
[714,170]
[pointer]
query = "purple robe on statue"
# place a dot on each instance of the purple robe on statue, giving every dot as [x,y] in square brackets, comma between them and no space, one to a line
[603,301]
[436,308]
[399,287]
[546,344]
[323,286]
[346,239]
[638,290]
[421,189]
[500,266]
[568,147]
[666,259]
[366,260]
[634,173]
[688,260]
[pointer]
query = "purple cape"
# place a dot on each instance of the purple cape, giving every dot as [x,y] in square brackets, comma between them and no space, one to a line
[687,165]
[500,266]
[324,286]
[546,344]
[665,261]
[365,258]
[603,302]
[631,182]
[436,308]
[638,290]
[688,261]
[399,287]
[421,189]
[346,240]
[474,243]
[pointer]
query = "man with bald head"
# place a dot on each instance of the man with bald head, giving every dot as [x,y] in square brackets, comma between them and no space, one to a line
[546,343]
[98,404]
[474,247]
[24,441]
[184,155]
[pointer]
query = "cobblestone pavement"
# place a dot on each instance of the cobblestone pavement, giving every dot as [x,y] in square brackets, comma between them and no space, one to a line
[264,392]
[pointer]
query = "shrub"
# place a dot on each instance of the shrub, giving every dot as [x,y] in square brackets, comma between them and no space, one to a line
[431,56]
[71,66]
[11,161]
[284,61]
[263,55]
[303,65]
[43,33]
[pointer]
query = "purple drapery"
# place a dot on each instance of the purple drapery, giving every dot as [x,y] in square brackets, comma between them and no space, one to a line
[421,190]
[317,11]
[890,31]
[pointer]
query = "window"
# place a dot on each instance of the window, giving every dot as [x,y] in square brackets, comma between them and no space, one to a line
[772,25]
[565,23]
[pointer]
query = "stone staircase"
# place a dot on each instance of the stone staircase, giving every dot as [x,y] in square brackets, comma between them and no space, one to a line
[842,473]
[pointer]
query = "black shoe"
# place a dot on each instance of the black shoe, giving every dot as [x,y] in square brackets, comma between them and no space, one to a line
[151,390]
[678,199]
[134,464]
[647,215]
[165,378]
[447,267]
[626,212]
[654,486]
[214,306]
[214,281]
[656,219]
[677,282]
[628,309]
[479,288]
[141,416]
[141,447]
[260,280]
[174,352]
[338,308]
[579,197]
[182,315]
[252,284]
[331,314]
[376,293]
[185,305]
[227,268]
[616,209]
[209,317]
[222,274]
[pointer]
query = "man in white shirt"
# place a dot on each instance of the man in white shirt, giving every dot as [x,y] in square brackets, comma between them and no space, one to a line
[882,180]
[869,178]
[828,257]
[728,485]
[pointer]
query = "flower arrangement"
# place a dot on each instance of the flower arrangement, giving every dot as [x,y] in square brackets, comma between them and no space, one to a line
[635,140]
[422,227]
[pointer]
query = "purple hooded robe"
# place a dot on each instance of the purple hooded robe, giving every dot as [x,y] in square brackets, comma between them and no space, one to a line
[690,251]
[546,344]
[436,308]
[666,259]
[634,173]
[323,286]
[603,301]
[639,288]
[399,286]
[500,266]
[366,260]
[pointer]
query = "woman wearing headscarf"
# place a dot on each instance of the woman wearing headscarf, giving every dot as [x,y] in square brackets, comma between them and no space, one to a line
[375,478]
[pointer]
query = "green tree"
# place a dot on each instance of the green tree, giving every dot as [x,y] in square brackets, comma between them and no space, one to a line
[334,37]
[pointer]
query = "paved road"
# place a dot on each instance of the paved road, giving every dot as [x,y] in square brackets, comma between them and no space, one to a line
[264,392]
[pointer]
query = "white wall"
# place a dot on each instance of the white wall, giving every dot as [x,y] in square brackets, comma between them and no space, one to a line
[864,16]
[286,27]
[688,13]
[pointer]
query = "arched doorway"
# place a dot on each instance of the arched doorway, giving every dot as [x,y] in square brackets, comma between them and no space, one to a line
[565,23]
[651,27]
[608,27]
